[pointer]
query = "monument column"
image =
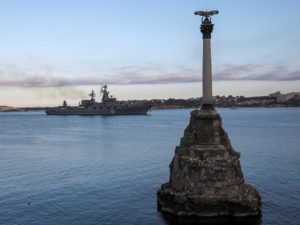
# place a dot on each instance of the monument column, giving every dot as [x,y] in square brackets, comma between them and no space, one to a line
[206,29]
[206,178]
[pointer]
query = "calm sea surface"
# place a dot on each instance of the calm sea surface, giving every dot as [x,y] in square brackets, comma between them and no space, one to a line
[106,170]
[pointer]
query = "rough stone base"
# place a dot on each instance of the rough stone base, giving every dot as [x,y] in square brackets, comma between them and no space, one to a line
[187,204]
[206,179]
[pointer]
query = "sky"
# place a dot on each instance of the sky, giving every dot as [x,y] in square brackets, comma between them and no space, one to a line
[55,50]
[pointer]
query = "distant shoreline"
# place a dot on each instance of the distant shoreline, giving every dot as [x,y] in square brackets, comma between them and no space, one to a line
[274,100]
[40,109]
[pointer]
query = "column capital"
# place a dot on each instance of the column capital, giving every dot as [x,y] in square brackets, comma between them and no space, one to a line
[206,28]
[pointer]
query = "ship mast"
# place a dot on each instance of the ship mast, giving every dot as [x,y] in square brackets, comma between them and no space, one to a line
[92,95]
[104,93]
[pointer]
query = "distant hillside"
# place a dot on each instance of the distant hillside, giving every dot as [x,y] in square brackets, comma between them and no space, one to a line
[4,108]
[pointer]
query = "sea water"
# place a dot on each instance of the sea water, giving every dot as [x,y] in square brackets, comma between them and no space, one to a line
[107,169]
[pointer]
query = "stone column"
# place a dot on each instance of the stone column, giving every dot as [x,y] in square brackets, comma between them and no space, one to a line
[206,29]
[206,178]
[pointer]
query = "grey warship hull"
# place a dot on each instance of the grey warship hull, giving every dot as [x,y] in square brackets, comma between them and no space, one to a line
[65,111]
[108,106]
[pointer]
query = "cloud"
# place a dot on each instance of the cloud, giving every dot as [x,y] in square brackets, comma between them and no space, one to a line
[234,72]
[278,76]
[256,73]
[148,74]
[132,74]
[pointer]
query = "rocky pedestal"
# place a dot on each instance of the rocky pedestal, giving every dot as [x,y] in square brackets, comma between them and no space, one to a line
[205,174]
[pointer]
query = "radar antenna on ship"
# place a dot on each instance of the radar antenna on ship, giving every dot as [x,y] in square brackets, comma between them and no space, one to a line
[103,89]
[105,94]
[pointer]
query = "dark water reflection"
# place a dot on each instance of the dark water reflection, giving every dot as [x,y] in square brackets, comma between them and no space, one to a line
[173,220]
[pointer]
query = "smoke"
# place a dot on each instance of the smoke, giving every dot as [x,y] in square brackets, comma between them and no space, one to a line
[65,91]
[44,86]
[56,88]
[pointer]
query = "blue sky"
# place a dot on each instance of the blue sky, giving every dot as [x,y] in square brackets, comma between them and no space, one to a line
[55,50]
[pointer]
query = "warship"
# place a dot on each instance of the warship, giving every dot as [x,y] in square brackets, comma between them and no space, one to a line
[108,106]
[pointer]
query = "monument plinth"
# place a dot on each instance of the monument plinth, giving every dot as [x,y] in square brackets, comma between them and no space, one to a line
[205,174]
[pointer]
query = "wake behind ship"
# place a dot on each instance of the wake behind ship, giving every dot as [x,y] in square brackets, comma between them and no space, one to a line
[108,106]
